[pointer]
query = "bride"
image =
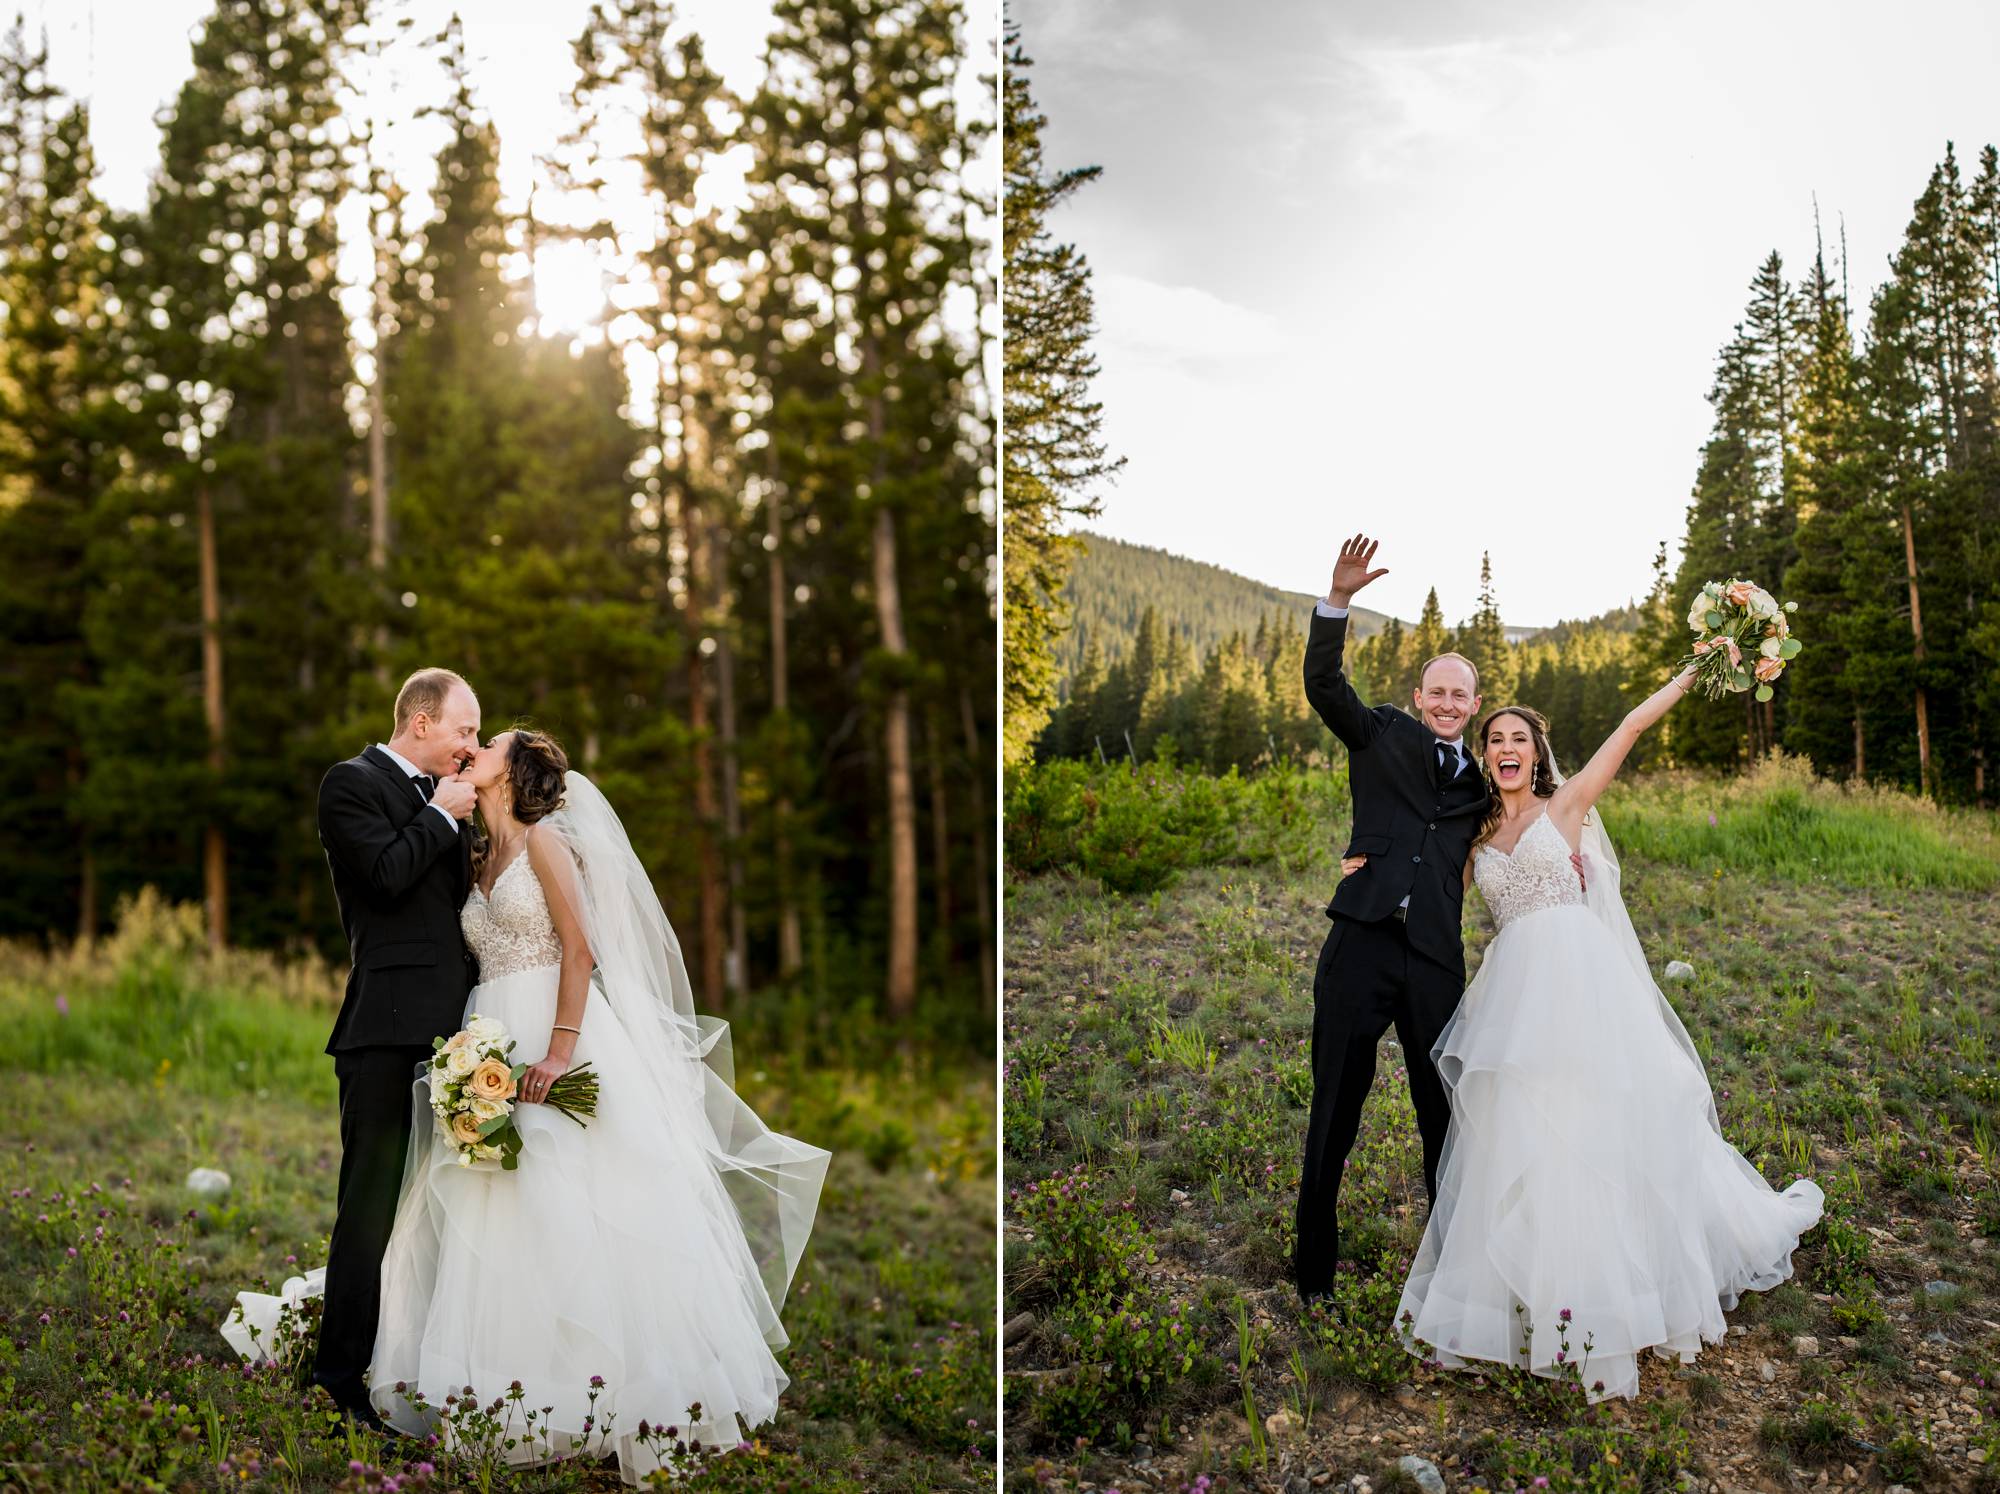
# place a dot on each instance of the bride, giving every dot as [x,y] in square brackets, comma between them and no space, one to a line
[632,1266]
[1585,1191]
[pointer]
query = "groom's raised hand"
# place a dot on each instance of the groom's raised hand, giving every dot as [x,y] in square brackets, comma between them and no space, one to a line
[1350,572]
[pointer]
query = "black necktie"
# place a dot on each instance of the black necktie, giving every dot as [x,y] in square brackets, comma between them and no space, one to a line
[428,784]
[1448,760]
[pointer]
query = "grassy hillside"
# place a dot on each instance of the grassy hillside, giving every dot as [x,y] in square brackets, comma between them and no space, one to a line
[1846,953]
[1112,583]
[130,1064]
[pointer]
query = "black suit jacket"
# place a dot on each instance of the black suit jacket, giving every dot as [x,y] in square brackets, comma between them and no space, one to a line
[1413,824]
[400,874]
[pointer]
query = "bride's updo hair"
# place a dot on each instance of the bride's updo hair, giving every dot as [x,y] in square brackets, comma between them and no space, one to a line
[1542,782]
[536,765]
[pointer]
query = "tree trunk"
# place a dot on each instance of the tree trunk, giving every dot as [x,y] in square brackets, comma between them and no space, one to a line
[1917,632]
[215,855]
[378,419]
[791,952]
[736,971]
[708,861]
[940,829]
[1860,748]
[984,895]
[901,992]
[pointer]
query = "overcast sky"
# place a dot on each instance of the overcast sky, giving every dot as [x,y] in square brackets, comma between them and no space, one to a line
[1456,273]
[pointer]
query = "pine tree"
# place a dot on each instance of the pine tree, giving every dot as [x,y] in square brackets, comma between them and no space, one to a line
[860,146]
[245,345]
[1484,641]
[1825,718]
[635,69]
[1427,640]
[1054,450]
[63,435]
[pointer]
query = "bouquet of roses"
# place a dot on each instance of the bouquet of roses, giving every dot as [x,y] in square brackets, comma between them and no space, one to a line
[473,1078]
[1742,638]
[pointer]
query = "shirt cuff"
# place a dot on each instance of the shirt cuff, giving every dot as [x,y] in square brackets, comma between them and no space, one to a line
[449,818]
[1322,608]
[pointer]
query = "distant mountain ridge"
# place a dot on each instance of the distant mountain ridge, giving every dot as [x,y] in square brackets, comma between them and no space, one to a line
[1112,583]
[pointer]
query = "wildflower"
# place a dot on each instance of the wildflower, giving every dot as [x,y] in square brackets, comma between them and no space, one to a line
[1563,1316]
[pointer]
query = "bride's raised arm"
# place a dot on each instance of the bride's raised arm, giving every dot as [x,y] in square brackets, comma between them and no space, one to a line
[1573,799]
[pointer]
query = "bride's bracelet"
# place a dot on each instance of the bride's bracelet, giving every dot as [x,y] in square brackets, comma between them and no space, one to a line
[565,1027]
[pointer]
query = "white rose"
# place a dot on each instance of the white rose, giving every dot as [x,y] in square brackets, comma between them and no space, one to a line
[1698,613]
[1770,648]
[460,1062]
[484,1110]
[1762,603]
[486,1029]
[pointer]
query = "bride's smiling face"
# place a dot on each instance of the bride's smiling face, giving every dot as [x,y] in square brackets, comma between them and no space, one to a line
[489,763]
[1509,752]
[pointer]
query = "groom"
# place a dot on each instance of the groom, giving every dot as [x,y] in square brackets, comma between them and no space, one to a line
[1394,953]
[394,822]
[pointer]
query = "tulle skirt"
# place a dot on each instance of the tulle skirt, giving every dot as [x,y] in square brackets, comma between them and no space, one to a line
[612,1253]
[1585,1191]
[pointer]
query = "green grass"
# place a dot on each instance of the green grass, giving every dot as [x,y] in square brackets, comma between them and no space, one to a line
[1846,1003]
[1780,822]
[159,1059]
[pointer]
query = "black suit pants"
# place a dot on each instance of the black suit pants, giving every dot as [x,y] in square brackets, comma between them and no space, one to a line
[1368,977]
[374,1135]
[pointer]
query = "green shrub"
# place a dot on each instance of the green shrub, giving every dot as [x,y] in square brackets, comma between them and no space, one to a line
[1354,1333]
[1135,827]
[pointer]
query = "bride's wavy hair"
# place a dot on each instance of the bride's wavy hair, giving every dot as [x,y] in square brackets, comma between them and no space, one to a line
[536,770]
[1546,773]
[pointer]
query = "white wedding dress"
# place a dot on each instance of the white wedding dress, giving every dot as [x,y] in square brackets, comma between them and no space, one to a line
[1585,1170]
[651,1247]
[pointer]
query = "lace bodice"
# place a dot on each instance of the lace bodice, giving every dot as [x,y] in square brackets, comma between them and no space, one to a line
[511,931]
[1537,874]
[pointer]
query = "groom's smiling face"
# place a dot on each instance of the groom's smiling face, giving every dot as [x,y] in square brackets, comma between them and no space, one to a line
[1448,698]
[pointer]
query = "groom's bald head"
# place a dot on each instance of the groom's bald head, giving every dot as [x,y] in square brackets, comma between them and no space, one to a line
[437,720]
[1447,695]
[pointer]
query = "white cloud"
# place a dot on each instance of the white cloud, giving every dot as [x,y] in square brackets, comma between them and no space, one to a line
[1142,321]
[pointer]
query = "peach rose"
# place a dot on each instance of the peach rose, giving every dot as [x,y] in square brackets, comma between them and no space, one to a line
[1735,653]
[1769,669]
[1741,592]
[464,1128]
[1703,645]
[492,1080]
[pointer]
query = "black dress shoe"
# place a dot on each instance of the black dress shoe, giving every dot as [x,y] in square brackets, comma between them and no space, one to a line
[362,1413]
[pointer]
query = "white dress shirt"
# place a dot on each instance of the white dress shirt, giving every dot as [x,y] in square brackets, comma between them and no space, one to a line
[1324,608]
[415,773]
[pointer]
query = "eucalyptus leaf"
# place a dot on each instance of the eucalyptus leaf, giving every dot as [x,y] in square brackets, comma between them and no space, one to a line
[1714,620]
[1789,649]
[1763,692]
